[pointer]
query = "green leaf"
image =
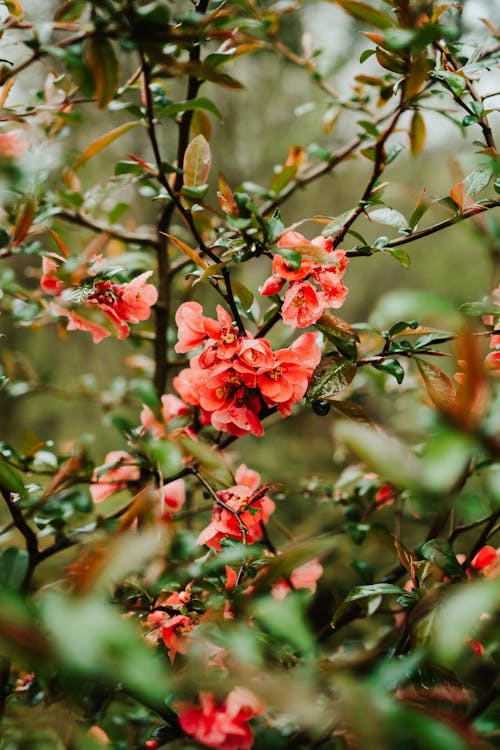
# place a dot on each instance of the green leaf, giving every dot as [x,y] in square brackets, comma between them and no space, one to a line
[95,641]
[459,617]
[392,367]
[244,294]
[445,458]
[477,181]
[366,592]
[455,82]
[166,455]
[10,480]
[366,13]
[71,10]
[286,621]
[197,161]
[388,216]
[14,563]
[208,458]
[293,259]
[200,102]
[331,376]
[385,455]
[440,552]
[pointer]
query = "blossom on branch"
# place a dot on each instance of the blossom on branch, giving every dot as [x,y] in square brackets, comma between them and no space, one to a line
[315,285]
[237,378]
[122,304]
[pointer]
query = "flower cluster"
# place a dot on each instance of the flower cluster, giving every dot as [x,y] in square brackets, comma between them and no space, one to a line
[237,377]
[238,505]
[304,301]
[223,725]
[121,304]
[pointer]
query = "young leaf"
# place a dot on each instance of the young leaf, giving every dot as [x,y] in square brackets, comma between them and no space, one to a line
[197,160]
[366,592]
[417,133]
[226,198]
[102,142]
[193,254]
[439,386]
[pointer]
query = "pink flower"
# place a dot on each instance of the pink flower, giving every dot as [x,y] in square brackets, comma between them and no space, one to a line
[303,577]
[492,361]
[222,725]
[125,303]
[172,630]
[123,469]
[303,305]
[171,407]
[191,327]
[11,145]
[272,285]
[50,282]
[174,496]
[79,323]
[334,289]
[285,382]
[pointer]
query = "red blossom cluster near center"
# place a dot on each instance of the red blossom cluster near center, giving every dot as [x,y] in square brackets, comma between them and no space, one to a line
[304,301]
[238,505]
[222,724]
[237,377]
[121,304]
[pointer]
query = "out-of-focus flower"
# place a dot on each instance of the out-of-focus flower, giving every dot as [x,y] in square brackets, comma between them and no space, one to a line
[12,145]
[122,470]
[223,725]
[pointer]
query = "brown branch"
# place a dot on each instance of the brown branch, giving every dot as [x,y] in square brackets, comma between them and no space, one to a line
[483,120]
[467,214]
[27,532]
[83,220]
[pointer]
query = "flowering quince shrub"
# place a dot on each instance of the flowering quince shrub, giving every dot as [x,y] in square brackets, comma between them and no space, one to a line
[179,567]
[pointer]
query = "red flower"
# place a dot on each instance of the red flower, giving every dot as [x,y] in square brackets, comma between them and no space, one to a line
[282,269]
[222,725]
[486,561]
[224,523]
[303,577]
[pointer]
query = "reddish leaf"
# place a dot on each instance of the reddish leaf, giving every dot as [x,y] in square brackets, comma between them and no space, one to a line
[226,198]
[24,220]
[193,254]
[103,141]
[197,161]
[439,386]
